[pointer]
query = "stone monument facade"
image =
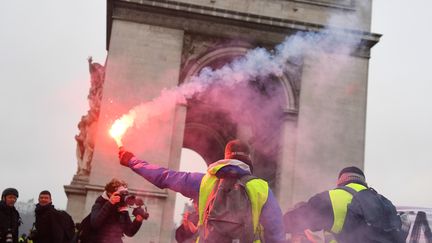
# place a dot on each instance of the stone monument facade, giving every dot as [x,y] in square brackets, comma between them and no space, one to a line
[317,128]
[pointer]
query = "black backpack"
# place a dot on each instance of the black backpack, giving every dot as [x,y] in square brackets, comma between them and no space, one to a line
[86,234]
[371,217]
[67,225]
[228,213]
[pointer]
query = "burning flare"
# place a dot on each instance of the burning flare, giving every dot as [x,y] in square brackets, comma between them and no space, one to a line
[120,126]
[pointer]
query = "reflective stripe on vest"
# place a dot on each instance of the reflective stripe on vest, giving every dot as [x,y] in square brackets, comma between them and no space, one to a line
[340,199]
[257,190]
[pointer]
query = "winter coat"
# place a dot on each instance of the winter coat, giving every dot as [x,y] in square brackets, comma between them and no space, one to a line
[315,214]
[109,224]
[48,225]
[188,184]
[9,219]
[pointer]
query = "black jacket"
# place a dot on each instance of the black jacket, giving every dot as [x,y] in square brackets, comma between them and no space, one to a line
[48,225]
[9,219]
[315,214]
[110,224]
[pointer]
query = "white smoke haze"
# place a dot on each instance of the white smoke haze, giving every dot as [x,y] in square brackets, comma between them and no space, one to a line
[257,64]
[248,91]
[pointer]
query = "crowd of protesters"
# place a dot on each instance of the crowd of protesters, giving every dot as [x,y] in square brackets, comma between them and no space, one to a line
[230,205]
[109,219]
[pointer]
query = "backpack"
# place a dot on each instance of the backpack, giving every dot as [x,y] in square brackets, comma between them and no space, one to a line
[371,217]
[67,224]
[228,213]
[86,234]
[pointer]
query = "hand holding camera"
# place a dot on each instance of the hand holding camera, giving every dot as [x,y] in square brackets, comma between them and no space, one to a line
[115,198]
[122,199]
[140,213]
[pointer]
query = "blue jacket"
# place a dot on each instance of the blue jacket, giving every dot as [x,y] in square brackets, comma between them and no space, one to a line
[188,184]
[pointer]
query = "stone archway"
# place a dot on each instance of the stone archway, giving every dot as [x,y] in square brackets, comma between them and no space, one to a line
[207,128]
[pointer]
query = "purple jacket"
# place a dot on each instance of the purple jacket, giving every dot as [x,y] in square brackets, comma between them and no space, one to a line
[188,184]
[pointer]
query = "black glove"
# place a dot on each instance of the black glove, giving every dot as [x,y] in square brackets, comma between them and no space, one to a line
[125,156]
[140,211]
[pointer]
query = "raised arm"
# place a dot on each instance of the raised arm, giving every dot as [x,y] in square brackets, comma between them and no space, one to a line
[185,183]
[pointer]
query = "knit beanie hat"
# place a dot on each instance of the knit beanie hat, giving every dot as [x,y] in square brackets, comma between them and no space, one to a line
[351,174]
[236,149]
[9,191]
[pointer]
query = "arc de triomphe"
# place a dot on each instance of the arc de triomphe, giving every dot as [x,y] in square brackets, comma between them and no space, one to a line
[152,45]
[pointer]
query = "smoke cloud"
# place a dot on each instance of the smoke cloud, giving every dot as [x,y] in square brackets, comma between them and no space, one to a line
[247,89]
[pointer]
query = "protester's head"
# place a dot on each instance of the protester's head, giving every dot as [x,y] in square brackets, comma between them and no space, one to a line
[351,174]
[44,198]
[9,196]
[239,150]
[114,185]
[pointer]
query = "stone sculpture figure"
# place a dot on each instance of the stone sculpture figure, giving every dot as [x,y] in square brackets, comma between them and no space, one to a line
[87,124]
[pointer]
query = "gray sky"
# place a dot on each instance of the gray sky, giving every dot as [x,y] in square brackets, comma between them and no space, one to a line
[44,78]
[399,116]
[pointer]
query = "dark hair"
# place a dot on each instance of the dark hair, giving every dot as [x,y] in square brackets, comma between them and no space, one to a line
[45,192]
[114,184]
[9,191]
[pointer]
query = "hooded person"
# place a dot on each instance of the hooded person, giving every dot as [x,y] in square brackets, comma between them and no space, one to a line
[266,213]
[328,211]
[9,217]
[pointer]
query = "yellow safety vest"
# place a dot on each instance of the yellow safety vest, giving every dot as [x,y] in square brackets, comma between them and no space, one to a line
[340,199]
[257,190]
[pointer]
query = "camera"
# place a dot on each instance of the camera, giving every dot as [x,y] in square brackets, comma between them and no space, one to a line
[138,208]
[127,199]
[124,194]
[9,236]
[131,201]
